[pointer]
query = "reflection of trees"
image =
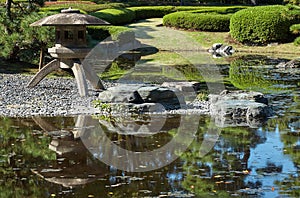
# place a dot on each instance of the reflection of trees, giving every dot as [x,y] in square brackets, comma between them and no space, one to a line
[244,75]
[223,170]
[20,151]
[291,185]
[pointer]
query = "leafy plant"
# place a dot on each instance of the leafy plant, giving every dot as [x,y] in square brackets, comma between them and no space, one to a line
[152,11]
[116,16]
[297,41]
[117,33]
[84,6]
[295,29]
[19,41]
[264,24]
[198,21]
[102,106]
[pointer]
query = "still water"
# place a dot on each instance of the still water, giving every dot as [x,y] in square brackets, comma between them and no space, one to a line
[159,155]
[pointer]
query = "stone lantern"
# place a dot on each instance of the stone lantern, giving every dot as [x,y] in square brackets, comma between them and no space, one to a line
[70,48]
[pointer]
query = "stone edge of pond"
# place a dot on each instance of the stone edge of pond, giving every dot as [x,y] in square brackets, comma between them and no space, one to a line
[58,96]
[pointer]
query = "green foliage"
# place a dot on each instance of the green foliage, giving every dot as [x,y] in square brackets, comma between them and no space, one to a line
[88,8]
[115,72]
[151,11]
[202,96]
[102,106]
[219,10]
[264,24]
[120,33]
[295,29]
[245,76]
[19,41]
[214,19]
[116,16]
[297,41]
[198,21]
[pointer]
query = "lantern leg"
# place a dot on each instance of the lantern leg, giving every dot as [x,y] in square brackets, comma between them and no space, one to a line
[93,78]
[80,79]
[47,69]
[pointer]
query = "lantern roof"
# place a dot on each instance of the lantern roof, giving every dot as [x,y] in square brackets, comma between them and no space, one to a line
[69,17]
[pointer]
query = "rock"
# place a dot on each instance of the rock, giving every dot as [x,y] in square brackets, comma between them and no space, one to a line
[220,50]
[239,108]
[290,64]
[188,89]
[216,46]
[126,93]
[239,95]
[141,94]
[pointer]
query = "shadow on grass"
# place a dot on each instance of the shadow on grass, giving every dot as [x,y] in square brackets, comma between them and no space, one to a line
[17,67]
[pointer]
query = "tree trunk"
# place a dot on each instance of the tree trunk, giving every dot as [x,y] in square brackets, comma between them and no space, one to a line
[8,9]
[42,54]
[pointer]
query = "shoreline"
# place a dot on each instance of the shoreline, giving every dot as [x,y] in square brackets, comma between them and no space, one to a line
[59,97]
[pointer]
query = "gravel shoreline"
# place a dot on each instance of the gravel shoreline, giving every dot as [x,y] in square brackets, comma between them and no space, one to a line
[57,97]
[51,97]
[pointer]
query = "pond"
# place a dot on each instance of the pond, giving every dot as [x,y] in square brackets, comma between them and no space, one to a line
[161,155]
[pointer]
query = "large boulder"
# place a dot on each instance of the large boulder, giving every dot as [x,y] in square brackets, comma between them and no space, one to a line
[126,93]
[141,98]
[239,108]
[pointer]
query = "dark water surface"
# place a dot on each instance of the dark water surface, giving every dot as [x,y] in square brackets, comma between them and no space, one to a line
[64,157]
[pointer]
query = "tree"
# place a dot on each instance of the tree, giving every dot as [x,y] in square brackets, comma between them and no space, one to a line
[19,41]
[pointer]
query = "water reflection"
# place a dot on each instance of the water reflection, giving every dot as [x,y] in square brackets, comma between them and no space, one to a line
[244,161]
[46,157]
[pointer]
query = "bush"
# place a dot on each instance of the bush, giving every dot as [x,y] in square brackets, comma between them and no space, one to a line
[297,41]
[24,42]
[151,11]
[198,21]
[219,10]
[295,29]
[118,16]
[261,25]
[88,8]
[119,33]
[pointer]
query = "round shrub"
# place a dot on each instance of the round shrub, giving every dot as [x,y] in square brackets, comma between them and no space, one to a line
[118,16]
[198,21]
[264,24]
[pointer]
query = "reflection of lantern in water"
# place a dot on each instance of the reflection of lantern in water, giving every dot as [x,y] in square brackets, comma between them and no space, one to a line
[70,48]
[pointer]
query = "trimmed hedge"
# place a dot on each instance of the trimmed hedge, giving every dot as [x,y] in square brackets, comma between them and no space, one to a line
[216,19]
[120,33]
[116,16]
[264,24]
[81,6]
[198,21]
[147,12]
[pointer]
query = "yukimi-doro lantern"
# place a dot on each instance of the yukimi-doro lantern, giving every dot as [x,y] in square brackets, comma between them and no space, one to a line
[71,47]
